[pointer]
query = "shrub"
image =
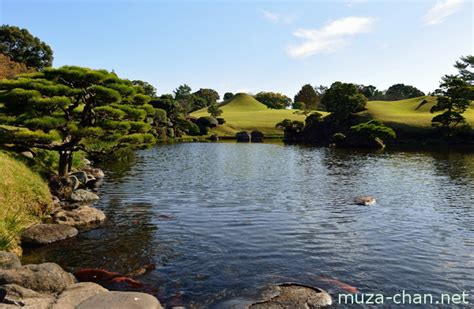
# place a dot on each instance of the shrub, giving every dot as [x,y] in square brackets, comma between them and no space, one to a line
[204,130]
[194,129]
[373,129]
[207,122]
[299,105]
[220,120]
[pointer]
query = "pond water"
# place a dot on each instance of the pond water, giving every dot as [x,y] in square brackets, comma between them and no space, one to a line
[249,215]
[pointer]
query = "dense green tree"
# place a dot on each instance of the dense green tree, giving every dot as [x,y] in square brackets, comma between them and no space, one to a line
[182,92]
[214,110]
[148,88]
[453,98]
[210,96]
[343,100]
[189,101]
[402,91]
[228,96]
[298,105]
[370,91]
[309,96]
[169,104]
[273,99]
[74,108]
[22,47]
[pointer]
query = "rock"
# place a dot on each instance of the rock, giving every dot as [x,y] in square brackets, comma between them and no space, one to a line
[46,277]
[43,234]
[82,218]
[76,183]
[61,187]
[121,300]
[291,295]
[95,172]
[214,137]
[18,296]
[9,260]
[86,161]
[56,201]
[28,154]
[83,177]
[243,137]
[365,200]
[75,294]
[256,136]
[83,196]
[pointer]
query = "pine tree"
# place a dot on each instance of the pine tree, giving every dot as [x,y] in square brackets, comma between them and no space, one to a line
[73,108]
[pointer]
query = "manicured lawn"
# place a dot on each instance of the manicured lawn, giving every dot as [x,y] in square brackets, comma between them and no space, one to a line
[243,112]
[408,113]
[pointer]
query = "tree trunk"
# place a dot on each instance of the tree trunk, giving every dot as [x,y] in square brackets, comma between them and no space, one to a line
[64,162]
[69,165]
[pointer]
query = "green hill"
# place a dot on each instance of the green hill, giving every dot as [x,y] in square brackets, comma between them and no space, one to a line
[243,112]
[408,114]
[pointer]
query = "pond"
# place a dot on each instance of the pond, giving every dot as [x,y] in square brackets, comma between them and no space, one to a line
[223,220]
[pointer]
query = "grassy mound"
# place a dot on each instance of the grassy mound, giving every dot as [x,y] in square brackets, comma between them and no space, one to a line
[410,114]
[243,112]
[24,197]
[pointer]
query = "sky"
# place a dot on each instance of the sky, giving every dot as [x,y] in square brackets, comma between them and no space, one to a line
[252,46]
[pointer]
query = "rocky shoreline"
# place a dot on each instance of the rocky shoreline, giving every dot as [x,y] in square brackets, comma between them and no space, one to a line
[49,286]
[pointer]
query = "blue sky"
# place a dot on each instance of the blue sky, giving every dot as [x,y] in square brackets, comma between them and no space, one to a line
[254,46]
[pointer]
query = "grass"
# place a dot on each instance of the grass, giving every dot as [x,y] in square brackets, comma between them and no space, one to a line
[243,112]
[408,114]
[24,198]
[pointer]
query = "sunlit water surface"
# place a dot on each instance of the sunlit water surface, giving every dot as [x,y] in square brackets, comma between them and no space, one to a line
[249,215]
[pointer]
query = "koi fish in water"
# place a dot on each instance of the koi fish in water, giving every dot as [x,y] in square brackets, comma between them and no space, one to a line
[346,287]
[127,280]
[103,276]
[95,275]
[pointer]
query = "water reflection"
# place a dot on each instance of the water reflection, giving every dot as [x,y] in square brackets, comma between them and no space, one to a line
[252,214]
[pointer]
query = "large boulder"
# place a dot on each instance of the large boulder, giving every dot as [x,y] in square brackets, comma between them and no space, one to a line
[256,136]
[75,294]
[83,196]
[243,137]
[9,260]
[214,138]
[121,300]
[14,296]
[43,234]
[82,218]
[291,295]
[43,278]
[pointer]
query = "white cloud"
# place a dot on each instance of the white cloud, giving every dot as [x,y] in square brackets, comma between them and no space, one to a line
[441,10]
[270,16]
[330,37]
[276,18]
